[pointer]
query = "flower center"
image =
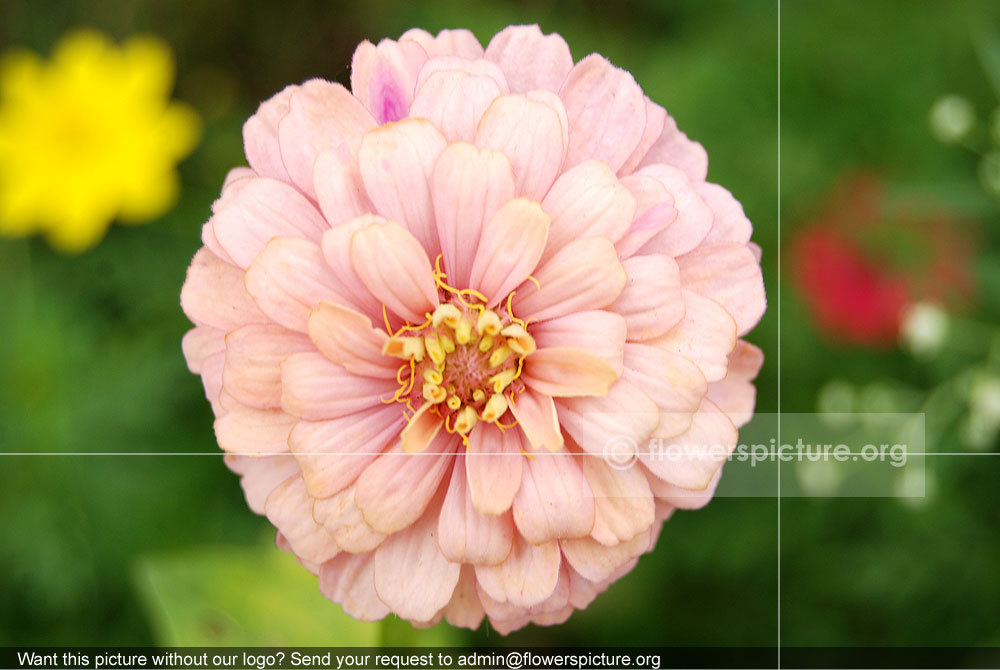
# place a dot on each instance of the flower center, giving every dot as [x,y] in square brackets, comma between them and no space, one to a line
[464,362]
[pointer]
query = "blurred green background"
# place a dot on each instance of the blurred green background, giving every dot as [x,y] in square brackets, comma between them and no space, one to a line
[136,550]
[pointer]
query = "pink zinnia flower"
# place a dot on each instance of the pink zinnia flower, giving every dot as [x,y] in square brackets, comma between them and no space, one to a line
[431,303]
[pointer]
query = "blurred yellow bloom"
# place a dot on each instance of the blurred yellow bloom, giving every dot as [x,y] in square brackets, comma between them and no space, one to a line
[88,136]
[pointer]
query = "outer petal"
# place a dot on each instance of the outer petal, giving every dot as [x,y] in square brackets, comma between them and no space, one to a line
[729,223]
[254,353]
[623,499]
[289,508]
[654,211]
[565,372]
[691,460]
[214,294]
[730,275]
[674,148]
[464,609]
[260,135]
[554,501]
[624,417]
[383,77]
[493,466]
[597,562]
[526,578]
[348,579]
[656,118]
[597,332]
[468,187]
[259,475]
[347,338]
[454,101]
[587,200]
[584,274]
[338,188]
[313,388]
[694,218]
[322,115]
[606,111]
[457,42]
[675,496]
[288,278]
[705,335]
[254,431]
[342,518]
[536,414]
[394,267]
[396,162]
[735,394]
[201,342]
[673,382]
[465,534]
[509,248]
[651,302]
[530,59]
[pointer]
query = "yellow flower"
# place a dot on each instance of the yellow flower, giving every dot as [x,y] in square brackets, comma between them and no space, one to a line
[89,136]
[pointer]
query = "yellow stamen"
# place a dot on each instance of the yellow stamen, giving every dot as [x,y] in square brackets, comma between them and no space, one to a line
[486,343]
[463,331]
[538,284]
[446,313]
[499,356]
[404,347]
[434,393]
[488,323]
[494,409]
[434,348]
[518,339]
[454,403]
[433,376]
[447,343]
[478,395]
[502,380]
[385,317]
[465,420]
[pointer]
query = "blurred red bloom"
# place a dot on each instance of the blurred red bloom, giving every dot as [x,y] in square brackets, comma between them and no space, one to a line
[864,260]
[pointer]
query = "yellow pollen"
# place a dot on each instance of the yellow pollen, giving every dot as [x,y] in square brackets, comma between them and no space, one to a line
[486,343]
[502,380]
[478,395]
[433,376]
[454,403]
[405,348]
[434,348]
[465,420]
[447,343]
[446,313]
[488,323]
[434,393]
[494,409]
[499,356]
[463,331]
[518,339]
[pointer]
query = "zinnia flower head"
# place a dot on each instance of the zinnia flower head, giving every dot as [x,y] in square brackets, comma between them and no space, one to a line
[434,303]
[89,136]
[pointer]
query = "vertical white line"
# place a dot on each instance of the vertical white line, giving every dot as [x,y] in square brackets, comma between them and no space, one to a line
[778,284]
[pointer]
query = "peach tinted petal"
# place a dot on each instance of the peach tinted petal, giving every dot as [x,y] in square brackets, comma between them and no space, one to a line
[454,101]
[343,520]
[730,275]
[681,498]
[396,162]
[347,337]
[584,274]
[735,394]
[465,534]
[464,609]
[259,475]
[264,208]
[412,576]
[468,187]
[672,382]
[336,247]
[596,562]
[423,426]
[654,211]
[394,267]
[532,133]
[530,59]
[729,223]
[288,278]
[526,578]
[597,332]
[509,248]
[260,135]
[674,148]
[705,335]
[564,372]
[624,502]
[651,302]
[289,508]
[338,188]
[555,500]
[201,342]
[383,77]
[322,115]
[587,200]
[694,218]
[214,294]
[254,431]
[536,414]
[606,111]
[493,466]
[691,459]
[656,118]
[348,580]
[625,415]
[252,372]
[332,453]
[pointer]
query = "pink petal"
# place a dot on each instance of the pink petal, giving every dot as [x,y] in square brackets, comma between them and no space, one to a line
[509,248]
[454,101]
[596,562]
[458,42]
[529,59]
[729,223]
[465,534]
[333,453]
[606,111]
[396,162]
[338,188]
[587,200]
[383,77]
[730,275]
[584,274]
[735,394]
[412,576]
[201,342]
[493,467]
[597,332]
[625,416]
[288,278]
[526,578]
[477,68]
[264,208]
[674,148]
[424,425]
[565,372]
[347,337]
[322,115]
[705,335]
[337,252]
[694,218]
[214,294]
[289,508]
[211,380]
[651,302]
[654,211]
[394,267]
[260,135]
[555,500]
[344,521]
[691,459]
[684,498]
[259,475]
[624,502]
[254,431]
[675,384]
[252,372]
[531,131]
[395,490]
[656,118]
[349,581]
[464,609]
[536,416]
[468,187]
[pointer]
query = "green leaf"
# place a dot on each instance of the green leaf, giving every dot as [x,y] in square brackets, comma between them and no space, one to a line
[241,596]
[987,42]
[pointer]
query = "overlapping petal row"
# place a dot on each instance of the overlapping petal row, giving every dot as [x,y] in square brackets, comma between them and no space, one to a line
[431,302]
